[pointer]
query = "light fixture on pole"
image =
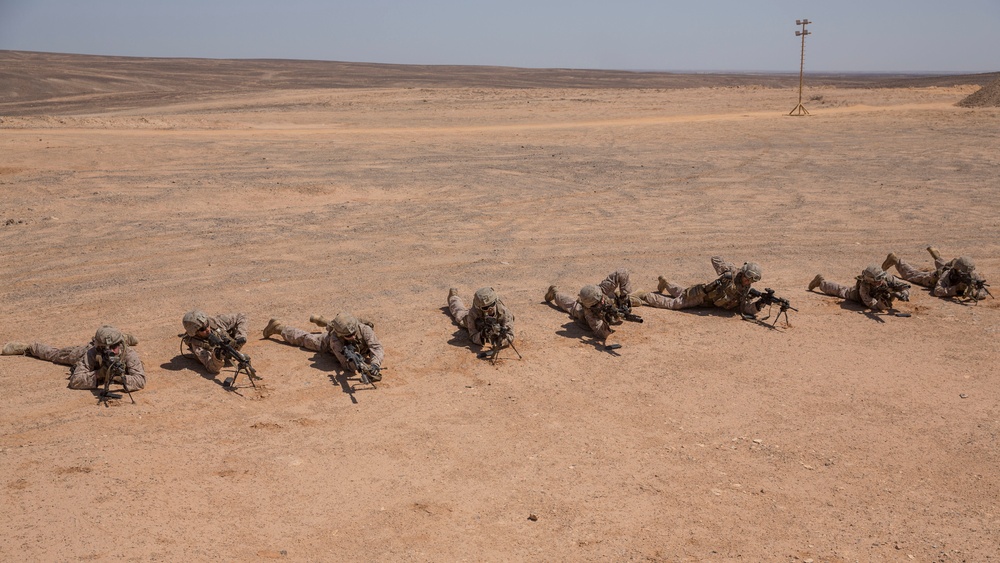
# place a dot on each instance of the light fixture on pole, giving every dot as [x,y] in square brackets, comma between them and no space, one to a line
[800,109]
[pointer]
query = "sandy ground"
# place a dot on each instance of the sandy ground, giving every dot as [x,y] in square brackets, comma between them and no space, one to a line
[844,437]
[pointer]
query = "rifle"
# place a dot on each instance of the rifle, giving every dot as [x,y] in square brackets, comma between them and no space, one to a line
[115,368]
[496,335]
[369,373]
[619,310]
[887,296]
[770,299]
[221,341]
[972,286]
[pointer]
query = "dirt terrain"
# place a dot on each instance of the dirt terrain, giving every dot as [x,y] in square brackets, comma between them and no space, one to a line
[135,190]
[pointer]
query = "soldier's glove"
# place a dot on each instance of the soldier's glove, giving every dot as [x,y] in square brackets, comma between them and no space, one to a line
[219,353]
[375,373]
[506,337]
[241,340]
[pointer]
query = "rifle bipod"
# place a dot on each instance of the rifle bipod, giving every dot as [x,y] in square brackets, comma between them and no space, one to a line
[105,394]
[242,366]
[494,353]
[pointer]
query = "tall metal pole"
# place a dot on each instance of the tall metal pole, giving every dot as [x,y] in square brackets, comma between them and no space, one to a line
[800,109]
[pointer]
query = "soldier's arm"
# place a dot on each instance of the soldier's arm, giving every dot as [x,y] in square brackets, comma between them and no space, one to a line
[84,373]
[601,329]
[235,324]
[135,374]
[337,349]
[900,287]
[865,293]
[471,324]
[721,266]
[374,346]
[507,321]
[619,279]
[945,287]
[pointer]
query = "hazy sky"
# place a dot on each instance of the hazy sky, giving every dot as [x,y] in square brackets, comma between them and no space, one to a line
[708,35]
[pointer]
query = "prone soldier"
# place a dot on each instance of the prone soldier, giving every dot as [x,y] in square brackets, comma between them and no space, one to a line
[599,306]
[197,330]
[874,288]
[488,321]
[353,343]
[955,278]
[109,352]
[731,290]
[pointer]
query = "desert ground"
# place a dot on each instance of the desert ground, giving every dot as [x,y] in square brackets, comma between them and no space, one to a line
[136,190]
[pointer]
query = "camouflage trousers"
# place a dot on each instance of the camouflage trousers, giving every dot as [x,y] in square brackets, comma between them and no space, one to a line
[67,356]
[679,298]
[458,310]
[916,275]
[308,340]
[849,292]
[567,302]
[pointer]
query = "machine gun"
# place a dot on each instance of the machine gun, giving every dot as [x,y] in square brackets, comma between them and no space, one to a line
[221,341]
[883,294]
[619,310]
[369,373]
[973,286]
[115,369]
[498,336]
[769,299]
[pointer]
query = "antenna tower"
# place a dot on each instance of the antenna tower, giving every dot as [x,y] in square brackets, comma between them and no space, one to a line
[800,109]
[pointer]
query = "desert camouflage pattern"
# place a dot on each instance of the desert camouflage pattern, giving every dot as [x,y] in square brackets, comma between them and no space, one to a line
[863,290]
[725,292]
[942,281]
[617,282]
[89,373]
[472,319]
[368,344]
[235,325]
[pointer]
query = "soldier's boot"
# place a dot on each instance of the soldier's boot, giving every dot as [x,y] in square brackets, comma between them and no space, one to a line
[273,327]
[551,293]
[131,340]
[661,284]
[14,349]
[934,253]
[452,293]
[638,299]
[319,320]
[890,261]
[815,282]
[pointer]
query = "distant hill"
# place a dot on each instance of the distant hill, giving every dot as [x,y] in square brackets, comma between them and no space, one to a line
[61,84]
[986,97]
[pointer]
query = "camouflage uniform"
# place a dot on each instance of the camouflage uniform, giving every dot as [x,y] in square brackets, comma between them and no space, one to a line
[944,280]
[617,282]
[368,344]
[866,287]
[88,370]
[233,326]
[485,303]
[726,292]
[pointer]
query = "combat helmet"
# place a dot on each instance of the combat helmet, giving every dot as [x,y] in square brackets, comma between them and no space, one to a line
[964,264]
[484,298]
[751,271]
[590,295]
[344,324]
[194,321]
[108,337]
[873,274]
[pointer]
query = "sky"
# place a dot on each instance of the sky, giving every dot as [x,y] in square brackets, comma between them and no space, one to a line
[693,35]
